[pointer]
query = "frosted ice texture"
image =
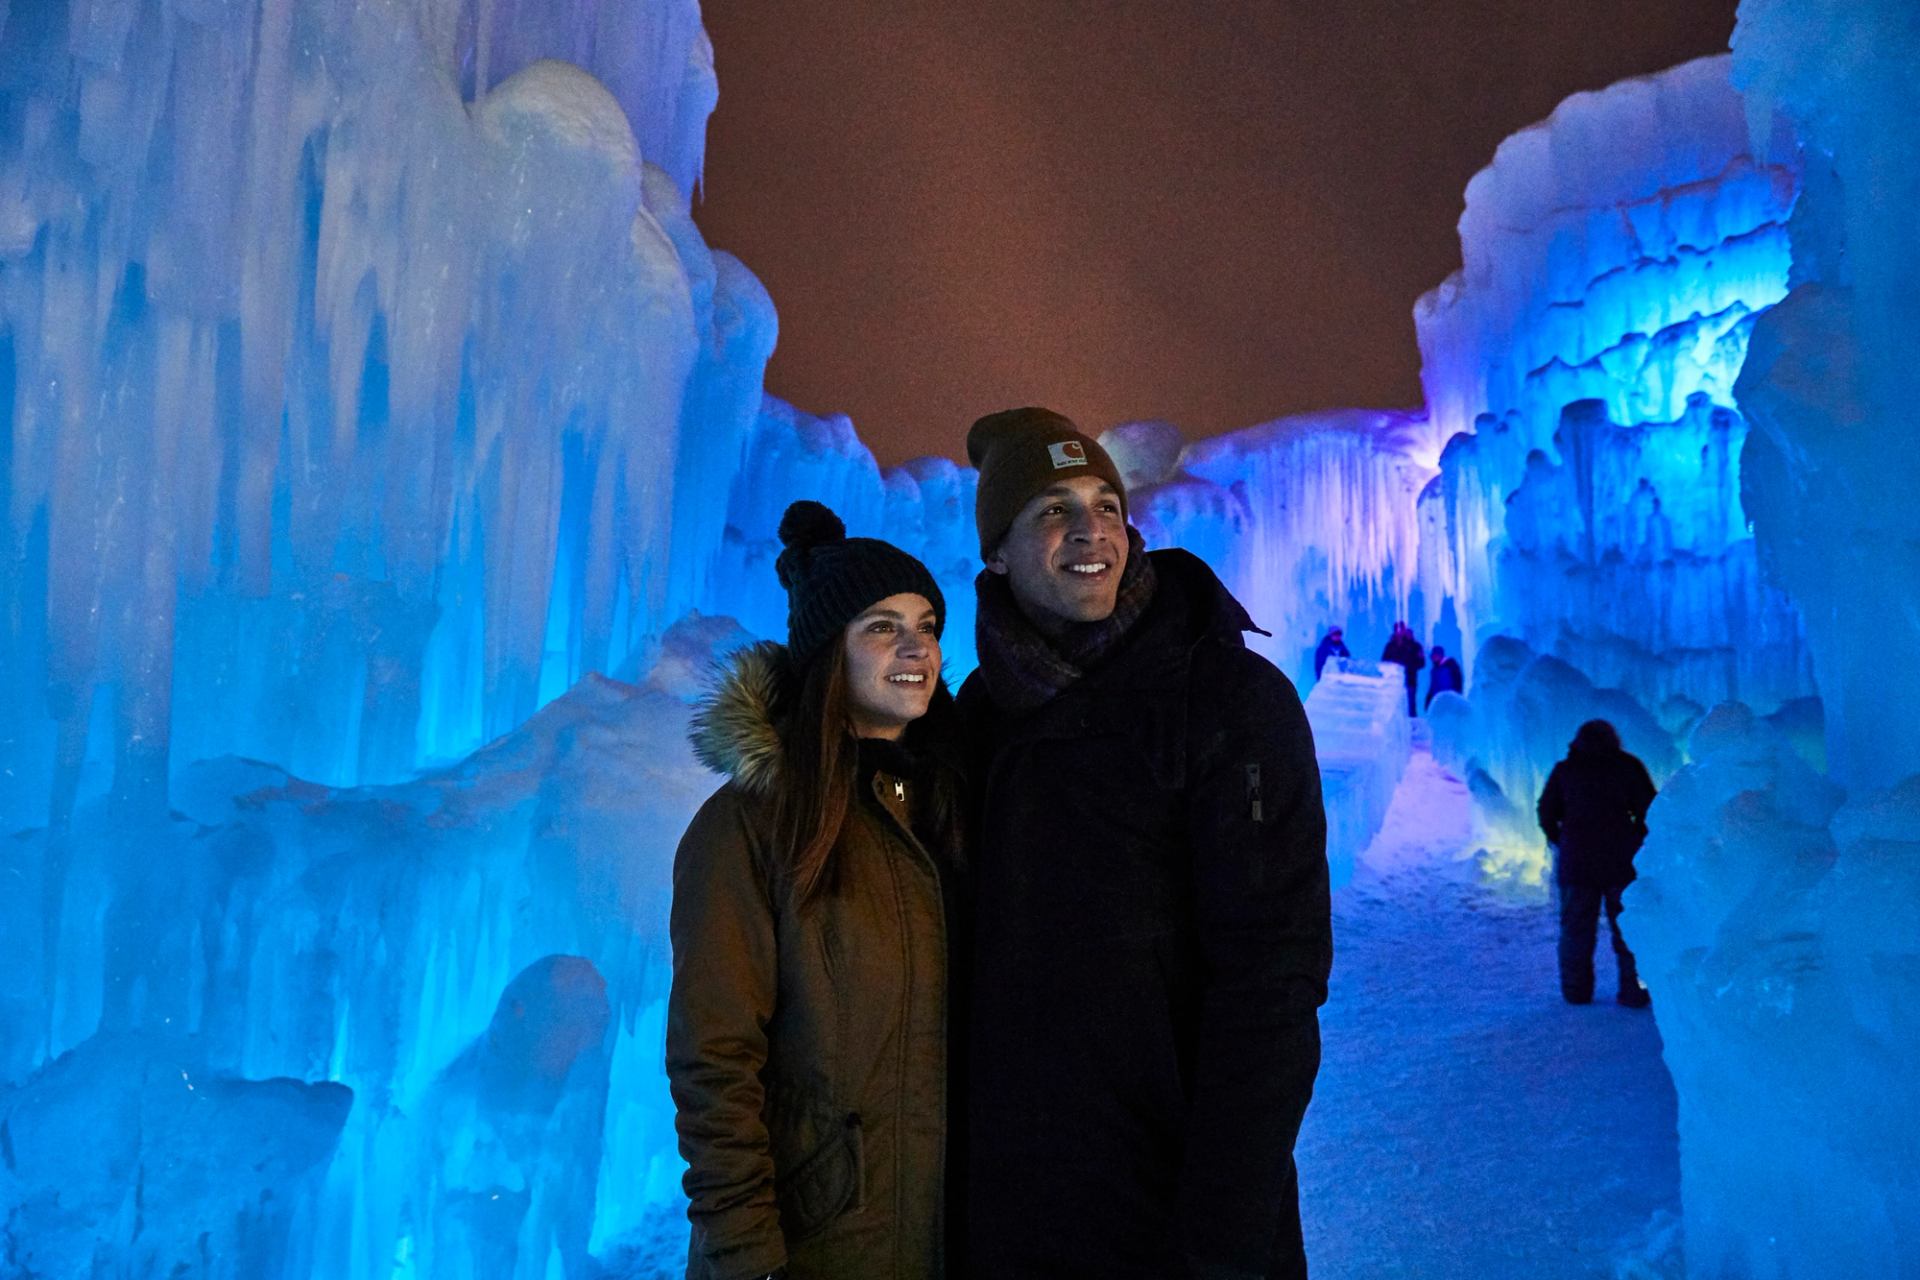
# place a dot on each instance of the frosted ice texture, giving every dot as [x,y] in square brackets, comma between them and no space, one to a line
[364,385]
[1580,368]
[1615,251]
[1776,918]
[1363,738]
[477,959]
[108,1145]
[331,332]
[1310,520]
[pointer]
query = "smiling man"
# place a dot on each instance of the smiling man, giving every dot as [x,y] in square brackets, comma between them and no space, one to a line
[1152,937]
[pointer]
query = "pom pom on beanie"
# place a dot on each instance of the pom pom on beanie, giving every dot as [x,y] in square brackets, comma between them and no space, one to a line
[832,579]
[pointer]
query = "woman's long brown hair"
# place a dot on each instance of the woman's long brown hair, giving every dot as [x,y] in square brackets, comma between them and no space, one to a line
[822,771]
[821,760]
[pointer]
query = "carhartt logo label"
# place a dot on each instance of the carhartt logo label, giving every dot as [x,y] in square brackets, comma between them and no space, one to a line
[1068,453]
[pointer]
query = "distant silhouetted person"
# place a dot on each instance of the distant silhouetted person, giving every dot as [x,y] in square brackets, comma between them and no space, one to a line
[1332,645]
[1594,810]
[1404,648]
[1445,676]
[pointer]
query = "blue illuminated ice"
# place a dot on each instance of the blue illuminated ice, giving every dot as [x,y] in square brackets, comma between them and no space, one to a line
[134,1155]
[361,370]
[1310,520]
[317,250]
[1616,252]
[1363,739]
[1778,923]
[1588,508]
[477,956]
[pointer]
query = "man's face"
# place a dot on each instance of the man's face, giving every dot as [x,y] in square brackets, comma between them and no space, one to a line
[1064,554]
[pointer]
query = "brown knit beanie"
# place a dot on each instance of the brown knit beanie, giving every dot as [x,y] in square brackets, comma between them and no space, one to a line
[831,578]
[1020,452]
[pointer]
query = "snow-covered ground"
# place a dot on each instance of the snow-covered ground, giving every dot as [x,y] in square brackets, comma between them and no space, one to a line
[1467,1123]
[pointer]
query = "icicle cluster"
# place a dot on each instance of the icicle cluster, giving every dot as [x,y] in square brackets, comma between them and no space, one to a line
[1617,251]
[348,351]
[364,384]
[1310,520]
[1580,368]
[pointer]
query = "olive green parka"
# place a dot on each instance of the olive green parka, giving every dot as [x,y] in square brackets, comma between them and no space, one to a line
[806,1045]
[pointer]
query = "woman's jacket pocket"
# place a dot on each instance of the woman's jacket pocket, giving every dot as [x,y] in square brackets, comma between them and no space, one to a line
[825,1183]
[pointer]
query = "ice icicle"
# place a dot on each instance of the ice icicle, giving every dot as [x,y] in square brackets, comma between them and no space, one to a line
[407,350]
[1616,251]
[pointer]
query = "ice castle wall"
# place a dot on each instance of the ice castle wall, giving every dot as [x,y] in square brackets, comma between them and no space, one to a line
[327,440]
[475,961]
[1580,370]
[364,384]
[1776,905]
[1615,252]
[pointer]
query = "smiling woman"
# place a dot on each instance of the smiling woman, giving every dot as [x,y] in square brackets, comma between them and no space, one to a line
[893,664]
[812,900]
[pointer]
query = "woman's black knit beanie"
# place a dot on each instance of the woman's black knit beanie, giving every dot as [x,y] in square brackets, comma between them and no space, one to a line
[831,578]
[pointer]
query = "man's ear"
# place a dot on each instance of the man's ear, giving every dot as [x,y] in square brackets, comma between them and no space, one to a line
[997,563]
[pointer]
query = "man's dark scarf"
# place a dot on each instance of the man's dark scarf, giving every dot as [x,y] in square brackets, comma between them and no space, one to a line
[1025,670]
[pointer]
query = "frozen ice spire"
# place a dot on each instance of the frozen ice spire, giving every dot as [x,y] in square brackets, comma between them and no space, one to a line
[348,352]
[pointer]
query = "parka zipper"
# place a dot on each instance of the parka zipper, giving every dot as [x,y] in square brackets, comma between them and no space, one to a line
[946,1014]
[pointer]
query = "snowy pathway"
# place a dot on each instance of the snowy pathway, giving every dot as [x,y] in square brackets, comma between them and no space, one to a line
[1467,1123]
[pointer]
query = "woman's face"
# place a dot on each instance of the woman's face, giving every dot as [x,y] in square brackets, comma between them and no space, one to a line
[893,662]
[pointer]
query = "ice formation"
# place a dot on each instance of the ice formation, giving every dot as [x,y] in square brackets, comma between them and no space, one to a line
[396,329]
[368,397]
[476,956]
[1777,906]
[1358,711]
[1580,368]
[361,372]
[1310,520]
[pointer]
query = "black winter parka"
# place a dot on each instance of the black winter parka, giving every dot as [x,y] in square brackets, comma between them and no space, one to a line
[1153,942]
[1594,807]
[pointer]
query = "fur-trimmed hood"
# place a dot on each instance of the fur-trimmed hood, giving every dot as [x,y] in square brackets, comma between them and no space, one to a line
[735,728]
[739,724]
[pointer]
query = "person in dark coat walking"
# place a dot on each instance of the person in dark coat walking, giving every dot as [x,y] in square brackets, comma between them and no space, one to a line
[1332,645]
[1404,649]
[813,921]
[1594,811]
[1445,677]
[1153,936]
